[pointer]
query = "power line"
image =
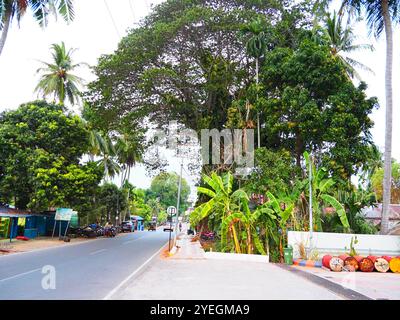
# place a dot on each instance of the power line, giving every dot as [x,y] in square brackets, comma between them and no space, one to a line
[112,19]
[133,12]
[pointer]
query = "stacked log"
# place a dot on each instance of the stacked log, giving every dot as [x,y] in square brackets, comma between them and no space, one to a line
[336,264]
[381,265]
[394,265]
[351,264]
[366,265]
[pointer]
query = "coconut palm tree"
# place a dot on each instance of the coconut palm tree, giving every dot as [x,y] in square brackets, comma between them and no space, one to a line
[379,16]
[256,46]
[129,152]
[15,9]
[340,40]
[57,79]
[108,156]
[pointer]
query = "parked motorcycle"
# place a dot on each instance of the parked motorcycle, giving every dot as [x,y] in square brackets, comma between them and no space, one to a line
[110,232]
[207,236]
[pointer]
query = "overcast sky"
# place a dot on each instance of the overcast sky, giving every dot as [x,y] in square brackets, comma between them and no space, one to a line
[97,29]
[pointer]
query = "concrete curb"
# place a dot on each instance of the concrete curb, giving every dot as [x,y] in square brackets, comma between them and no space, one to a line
[307,263]
[329,285]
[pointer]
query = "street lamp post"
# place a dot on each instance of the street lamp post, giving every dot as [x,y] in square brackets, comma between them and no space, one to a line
[310,200]
[178,201]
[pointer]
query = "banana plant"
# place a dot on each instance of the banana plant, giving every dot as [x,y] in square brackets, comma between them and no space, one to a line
[283,211]
[251,222]
[320,186]
[222,204]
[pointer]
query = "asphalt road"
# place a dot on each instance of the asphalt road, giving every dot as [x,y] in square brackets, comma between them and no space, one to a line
[88,270]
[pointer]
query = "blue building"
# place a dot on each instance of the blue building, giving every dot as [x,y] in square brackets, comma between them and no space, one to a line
[14,222]
[138,222]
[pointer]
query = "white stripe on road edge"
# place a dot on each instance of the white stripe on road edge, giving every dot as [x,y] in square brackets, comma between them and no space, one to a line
[20,275]
[130,241]
[98,251]
[112,292]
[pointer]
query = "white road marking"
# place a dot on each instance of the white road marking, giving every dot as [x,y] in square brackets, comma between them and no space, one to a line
[130,241]
[113,291]
[98,251]
[20,274]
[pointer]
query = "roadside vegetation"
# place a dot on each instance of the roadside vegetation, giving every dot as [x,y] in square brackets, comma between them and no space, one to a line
[283,69]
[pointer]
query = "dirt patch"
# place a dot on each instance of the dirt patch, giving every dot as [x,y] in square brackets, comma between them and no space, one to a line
[34,244]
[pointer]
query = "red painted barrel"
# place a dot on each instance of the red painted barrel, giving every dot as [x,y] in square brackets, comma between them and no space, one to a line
[344,256]
[387,258]
[366,265]
[325,260]
[358,258]
[351,263]
[373,258]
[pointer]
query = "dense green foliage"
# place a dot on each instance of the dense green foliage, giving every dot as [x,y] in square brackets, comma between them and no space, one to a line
[164,187]
[41,148]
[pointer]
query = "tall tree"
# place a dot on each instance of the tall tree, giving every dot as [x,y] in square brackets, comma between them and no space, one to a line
[256,46]
[312,105]
[379,15]
[16,9]
[108,158]
[341,40]
[57,79]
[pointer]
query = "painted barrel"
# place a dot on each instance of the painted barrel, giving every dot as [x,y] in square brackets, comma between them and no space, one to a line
[336,264]
[373,258]
[366,265]
[358,258]
[325,261]
[344,256]
[381,265]
[351,264]
[394,265]
[387,258]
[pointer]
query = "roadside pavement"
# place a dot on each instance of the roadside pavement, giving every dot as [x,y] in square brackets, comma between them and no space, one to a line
[375,285]
[189,275]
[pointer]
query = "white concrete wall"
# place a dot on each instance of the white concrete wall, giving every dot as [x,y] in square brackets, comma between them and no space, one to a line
[338,243]
[237,257]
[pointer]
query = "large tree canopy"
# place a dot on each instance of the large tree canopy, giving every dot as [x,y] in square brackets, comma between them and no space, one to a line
[309,103]
[40,154]
[187,61]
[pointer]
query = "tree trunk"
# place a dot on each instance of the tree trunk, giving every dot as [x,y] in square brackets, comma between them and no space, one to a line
[389,107]
[298,149]
[6,27]
[249,244]
[258,113]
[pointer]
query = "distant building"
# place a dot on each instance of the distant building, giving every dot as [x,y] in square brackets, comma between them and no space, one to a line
[374,215]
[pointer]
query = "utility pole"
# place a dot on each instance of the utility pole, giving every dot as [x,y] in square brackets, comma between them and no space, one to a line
[310,199]
[178,201]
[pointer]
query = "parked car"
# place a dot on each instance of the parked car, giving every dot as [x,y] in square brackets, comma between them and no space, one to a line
[127,226]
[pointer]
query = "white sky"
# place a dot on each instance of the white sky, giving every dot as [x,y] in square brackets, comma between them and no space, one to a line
[93,33]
